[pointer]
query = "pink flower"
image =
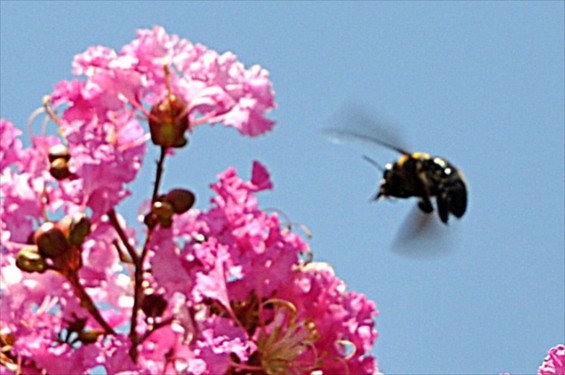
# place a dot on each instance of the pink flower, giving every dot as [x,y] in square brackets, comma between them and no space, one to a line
[104,157]
[554,363]
[261,256]
[163,352]
[217,87]
[36,342]
[343,320]
[105,140]
[112,353]
[238,262]
[26,186]
[20,204]
[222,290]
[10,145]
[219,340]
[243,245]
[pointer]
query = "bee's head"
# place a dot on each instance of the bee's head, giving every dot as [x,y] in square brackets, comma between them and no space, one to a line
[398,179]
[388,181]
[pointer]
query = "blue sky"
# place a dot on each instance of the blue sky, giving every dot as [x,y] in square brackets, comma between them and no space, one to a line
[481,83]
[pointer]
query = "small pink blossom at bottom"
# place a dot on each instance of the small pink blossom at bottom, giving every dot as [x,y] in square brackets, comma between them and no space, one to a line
[554,363]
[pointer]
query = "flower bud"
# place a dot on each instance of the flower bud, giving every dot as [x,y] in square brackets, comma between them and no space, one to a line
[180,199]
[164,212]
[59,169]
[166,222]
[168,121]
[31,239]
[59,152]
[29,260]
[58,159]
[51,240]
[90,337]
[79,228]
[151,220]
[153,305]
[162,209]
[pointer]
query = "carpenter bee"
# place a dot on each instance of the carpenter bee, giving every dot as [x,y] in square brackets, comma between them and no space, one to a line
[419,175]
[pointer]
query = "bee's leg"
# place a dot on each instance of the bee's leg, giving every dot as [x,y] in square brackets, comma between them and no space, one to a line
[443,208]
[426,205]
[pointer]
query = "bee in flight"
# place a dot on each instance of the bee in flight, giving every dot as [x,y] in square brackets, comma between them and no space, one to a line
[417,175]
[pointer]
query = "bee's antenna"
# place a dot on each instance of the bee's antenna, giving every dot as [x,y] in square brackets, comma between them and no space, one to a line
[373,162]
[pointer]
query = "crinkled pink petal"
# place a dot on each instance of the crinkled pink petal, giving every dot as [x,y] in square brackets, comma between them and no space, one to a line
[340,316]
[260,177]
[168,266]
[247,117]
[97,57]
[10,144]
[211,278]
[554,363]
[113,354]
[220,339]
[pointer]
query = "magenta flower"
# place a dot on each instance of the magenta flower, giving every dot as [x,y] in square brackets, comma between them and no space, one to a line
[10,145]
[554,363]
[343,320]
[241,264]
[99,120]
[227,290]
[216,87]
[26,186]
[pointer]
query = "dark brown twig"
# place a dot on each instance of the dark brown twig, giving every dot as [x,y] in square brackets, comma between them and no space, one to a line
[159,173]
[123,237]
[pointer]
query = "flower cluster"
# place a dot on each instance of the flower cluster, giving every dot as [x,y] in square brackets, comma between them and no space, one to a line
[554,363]
[227,290]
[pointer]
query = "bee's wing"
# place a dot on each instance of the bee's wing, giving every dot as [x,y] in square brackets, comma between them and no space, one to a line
[338,135]
[354,124]
[423,236]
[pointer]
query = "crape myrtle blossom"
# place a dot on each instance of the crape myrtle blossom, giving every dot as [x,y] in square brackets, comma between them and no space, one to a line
[220,291]
[26,186]
[99,120]
[554,363]
[238,290]
[298,317]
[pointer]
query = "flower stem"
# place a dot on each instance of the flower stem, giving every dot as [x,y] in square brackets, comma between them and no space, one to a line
[139,260]
[138,295]
[123,237]
[159,173]
[155,327]
[86,302]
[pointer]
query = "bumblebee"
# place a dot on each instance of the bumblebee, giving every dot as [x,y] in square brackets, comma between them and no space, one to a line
[418,175]
[424,176]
